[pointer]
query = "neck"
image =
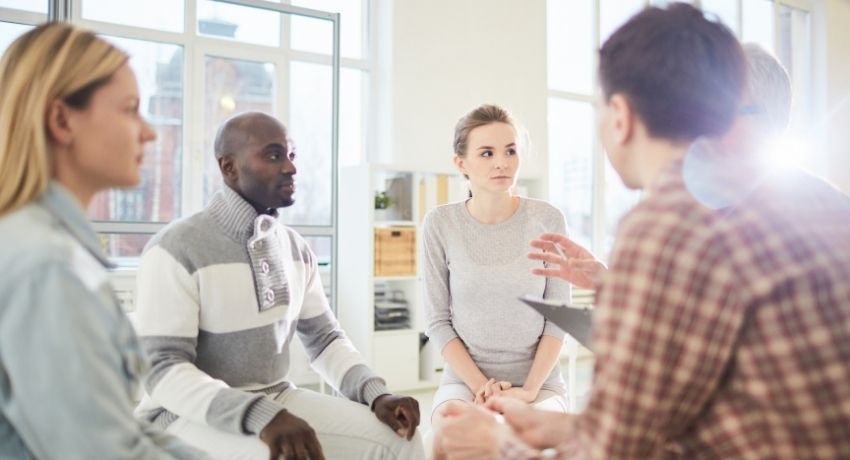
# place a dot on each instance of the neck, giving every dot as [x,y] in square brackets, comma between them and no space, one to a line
[659,153]
[492,208]
[81,188]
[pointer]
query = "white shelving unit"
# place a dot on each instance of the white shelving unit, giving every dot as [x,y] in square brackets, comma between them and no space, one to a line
[394,354]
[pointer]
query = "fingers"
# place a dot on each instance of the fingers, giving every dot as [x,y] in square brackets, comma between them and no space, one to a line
[488,389]
[300,450]
[408,414]
[275,452]
[547,272]
[505,385]
[503,405]
[570,248]
[315,449]
[548,257]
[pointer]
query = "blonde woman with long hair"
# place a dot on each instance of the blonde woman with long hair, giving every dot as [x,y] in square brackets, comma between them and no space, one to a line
[69,360]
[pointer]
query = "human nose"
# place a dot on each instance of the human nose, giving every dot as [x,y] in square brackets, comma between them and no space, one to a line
[289,167]
[148,134]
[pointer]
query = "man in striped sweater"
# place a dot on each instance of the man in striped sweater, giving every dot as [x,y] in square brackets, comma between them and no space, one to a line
[221,295]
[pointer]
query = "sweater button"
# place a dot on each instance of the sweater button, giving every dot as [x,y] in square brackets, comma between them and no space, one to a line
[264,266]
[269,296]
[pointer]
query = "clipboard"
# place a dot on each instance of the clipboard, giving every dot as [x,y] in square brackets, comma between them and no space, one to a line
[575,321]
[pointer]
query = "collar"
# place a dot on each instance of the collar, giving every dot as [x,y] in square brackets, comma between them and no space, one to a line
[235,215]
[71,215]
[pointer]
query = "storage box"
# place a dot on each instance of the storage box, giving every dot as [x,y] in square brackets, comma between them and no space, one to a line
[395,251]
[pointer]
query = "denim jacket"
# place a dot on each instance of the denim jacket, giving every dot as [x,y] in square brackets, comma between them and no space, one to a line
[70,362]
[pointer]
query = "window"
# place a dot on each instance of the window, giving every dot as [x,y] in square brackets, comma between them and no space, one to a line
[199,62]
[233,58]
[581,181]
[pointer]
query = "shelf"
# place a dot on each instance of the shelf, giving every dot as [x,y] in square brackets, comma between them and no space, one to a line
[393,332]
[397,278]
[395,223]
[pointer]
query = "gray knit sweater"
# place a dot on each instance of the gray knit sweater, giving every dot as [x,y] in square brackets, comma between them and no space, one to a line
[221,294]
[474,274]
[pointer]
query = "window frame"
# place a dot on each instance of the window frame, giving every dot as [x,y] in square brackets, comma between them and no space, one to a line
[195,48]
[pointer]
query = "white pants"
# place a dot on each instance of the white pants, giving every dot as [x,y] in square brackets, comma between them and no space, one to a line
[346,430]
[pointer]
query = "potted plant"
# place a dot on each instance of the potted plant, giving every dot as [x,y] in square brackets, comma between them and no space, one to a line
[382,202]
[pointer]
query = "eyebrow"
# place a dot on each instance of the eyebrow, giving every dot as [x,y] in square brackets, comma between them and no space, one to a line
[275,145]
[487,147]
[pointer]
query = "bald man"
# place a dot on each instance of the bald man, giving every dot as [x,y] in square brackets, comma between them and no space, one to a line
[222,293]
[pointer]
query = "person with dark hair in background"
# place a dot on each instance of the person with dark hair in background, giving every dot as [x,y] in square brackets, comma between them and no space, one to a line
[722,327]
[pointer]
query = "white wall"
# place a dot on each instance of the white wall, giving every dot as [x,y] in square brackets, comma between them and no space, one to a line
[833,37]
[448,57]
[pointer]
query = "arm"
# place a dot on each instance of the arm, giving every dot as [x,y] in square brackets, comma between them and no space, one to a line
[665,328]
[547,355]
[71,388]
[458,358]
[167,319]
[549,347]
[340,364]
[438,308]
[331,353]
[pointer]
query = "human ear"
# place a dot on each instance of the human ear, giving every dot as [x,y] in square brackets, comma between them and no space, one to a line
[622,119]
[459,164]
[58,123]
[227,165]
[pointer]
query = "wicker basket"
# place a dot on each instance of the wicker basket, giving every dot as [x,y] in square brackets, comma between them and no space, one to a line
[395,251]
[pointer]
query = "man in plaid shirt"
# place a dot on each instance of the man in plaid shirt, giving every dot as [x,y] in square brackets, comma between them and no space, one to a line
[722,329]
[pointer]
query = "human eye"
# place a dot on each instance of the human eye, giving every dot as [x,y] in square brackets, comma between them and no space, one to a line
[512,151]
[487,153]
[292,156]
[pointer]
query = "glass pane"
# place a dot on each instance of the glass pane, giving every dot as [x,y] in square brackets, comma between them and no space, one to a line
[569,45]
[351,128]
[310,126]
[124,248]
[794,51]
[9,31]
[159,70]
[618,201]
[316,35]
[36,6]
[321,246]
[151,14]
[613,13]
[725,10]
[571,139]
[240,23]
[757,18]
[232,86]
[664,3]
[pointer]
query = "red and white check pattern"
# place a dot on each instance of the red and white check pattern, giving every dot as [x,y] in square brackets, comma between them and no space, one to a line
[724,334]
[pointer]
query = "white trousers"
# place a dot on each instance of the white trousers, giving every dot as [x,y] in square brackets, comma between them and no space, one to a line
[346,430]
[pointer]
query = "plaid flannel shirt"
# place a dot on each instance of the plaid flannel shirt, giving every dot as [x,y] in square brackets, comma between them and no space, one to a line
[723,333]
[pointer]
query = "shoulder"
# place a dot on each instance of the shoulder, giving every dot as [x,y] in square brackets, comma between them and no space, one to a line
[542,209]
[299,246]
[442,214]
[193,242]
[30,238]
[676,233]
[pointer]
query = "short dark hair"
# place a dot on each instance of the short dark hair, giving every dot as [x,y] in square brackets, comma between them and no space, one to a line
[683,73]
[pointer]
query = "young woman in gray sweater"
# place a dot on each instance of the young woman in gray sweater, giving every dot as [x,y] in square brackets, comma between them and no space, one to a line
[476,267]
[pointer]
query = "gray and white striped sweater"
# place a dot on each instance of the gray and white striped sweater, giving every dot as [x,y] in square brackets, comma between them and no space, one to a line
[220,296]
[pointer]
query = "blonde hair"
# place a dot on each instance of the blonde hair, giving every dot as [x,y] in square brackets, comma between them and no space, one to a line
[53,61]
